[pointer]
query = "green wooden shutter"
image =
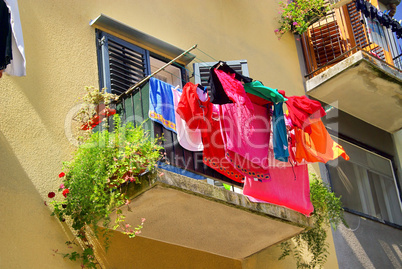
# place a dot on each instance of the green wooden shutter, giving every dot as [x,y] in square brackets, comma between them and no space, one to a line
[121,64]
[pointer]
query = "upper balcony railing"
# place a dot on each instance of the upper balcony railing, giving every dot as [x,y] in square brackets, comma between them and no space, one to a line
[343,32]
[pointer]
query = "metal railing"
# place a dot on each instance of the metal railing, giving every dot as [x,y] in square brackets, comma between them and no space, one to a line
[343,32]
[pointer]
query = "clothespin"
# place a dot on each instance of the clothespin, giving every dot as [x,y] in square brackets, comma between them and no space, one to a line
[219,65]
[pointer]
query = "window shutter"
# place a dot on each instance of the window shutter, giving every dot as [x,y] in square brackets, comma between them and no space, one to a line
[122,64]
[360,32]
[201,70]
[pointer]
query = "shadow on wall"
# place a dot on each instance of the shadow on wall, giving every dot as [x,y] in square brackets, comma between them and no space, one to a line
[28,233]
[367,244]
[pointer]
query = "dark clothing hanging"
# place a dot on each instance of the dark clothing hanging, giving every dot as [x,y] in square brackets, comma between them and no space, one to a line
[216,92]
[5,36]
[373,12]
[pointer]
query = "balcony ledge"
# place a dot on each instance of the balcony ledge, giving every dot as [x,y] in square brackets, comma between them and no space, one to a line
[364,87]
[193,214]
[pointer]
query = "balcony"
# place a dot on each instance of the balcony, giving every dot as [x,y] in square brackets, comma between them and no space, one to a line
[188,207]
[353,63]
[192,214]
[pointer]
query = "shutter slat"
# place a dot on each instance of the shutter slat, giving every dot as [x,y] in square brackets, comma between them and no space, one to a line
[126,65]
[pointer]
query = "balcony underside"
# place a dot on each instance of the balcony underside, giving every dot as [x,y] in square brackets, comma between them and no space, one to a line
[364,87]
[193,214]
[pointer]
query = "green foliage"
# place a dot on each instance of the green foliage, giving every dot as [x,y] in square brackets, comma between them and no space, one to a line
[298,15]
[96,180]
[327,211]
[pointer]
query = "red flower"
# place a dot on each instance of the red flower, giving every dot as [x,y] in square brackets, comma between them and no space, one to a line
[51,194]
[62,174]
[65,192]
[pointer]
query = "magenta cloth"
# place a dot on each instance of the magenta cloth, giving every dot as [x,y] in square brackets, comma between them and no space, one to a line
[248,153]
[245,130]
[234,90]
[289,187]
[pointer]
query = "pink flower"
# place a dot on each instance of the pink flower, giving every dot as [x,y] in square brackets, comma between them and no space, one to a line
[62,186]
[137,232]
[62,174]
[143,220]
[294,23]
[51,194]
[276,30]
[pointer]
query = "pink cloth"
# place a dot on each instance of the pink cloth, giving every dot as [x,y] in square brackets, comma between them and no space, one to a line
[245,130]
[234,89]
[289,187]
[250,153]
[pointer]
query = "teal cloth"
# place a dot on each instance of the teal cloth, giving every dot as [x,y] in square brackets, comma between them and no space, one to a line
[258,89]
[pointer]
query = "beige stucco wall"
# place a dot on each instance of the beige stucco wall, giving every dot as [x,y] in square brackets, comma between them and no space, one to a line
[268,258]
[61,59]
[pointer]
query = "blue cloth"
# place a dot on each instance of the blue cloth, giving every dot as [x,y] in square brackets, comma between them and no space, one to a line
[161,104]
[280,138]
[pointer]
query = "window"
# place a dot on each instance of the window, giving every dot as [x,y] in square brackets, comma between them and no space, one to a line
[367,184]
[122,64]
[201,70]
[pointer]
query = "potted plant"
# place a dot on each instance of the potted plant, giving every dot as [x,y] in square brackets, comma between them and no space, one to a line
[95,108]
[97,180]
[296,16]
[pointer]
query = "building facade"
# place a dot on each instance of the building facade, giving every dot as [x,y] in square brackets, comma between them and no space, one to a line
[70,46]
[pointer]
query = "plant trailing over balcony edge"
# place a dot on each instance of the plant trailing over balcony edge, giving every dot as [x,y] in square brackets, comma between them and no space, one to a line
[328,211]
[296,16]
[94,184]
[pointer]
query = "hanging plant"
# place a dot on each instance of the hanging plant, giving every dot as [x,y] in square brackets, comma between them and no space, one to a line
[328,211]
[96,181]
[298,15]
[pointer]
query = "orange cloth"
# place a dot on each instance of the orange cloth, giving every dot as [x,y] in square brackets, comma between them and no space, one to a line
[317,146]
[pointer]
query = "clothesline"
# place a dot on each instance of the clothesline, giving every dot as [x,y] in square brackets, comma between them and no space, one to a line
[172,62]
[231,125]
[156,72]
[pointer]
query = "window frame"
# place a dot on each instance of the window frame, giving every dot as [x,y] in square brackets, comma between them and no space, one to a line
[198,76]
[174,150]
[103,57]
[381,154]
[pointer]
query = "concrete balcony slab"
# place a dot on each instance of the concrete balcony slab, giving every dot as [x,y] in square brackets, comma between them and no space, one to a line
[193,214]
[364,87]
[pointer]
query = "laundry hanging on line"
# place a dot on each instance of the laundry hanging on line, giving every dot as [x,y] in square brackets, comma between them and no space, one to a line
[238,142]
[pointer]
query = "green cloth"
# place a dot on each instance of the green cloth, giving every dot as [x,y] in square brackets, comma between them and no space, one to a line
[228,187]
[256,88]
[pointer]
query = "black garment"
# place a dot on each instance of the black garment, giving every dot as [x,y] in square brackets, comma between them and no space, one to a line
[373,12]
[360,5]
[5,36]
[399,31]
[366,9]
[386,20]
[394,25]
[216,92]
